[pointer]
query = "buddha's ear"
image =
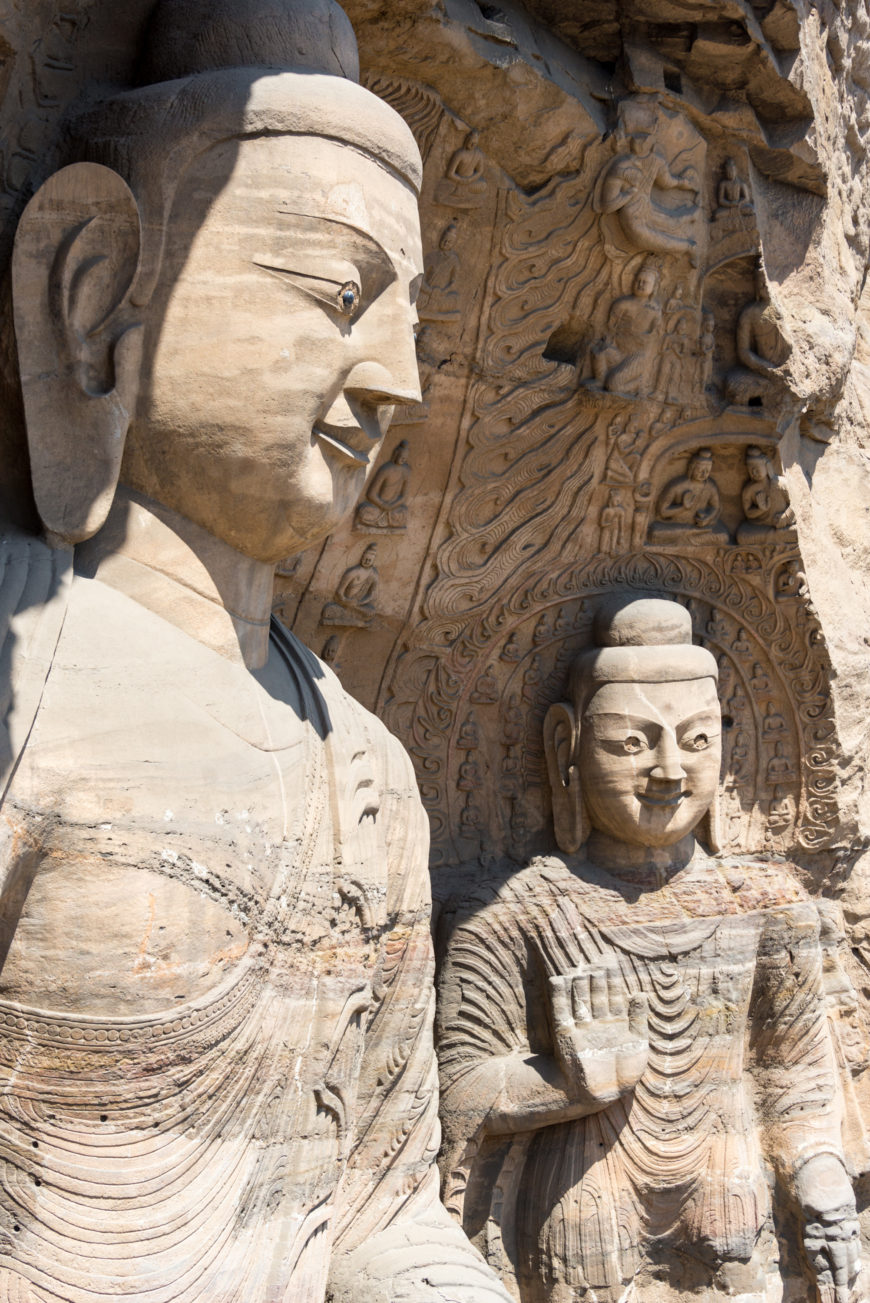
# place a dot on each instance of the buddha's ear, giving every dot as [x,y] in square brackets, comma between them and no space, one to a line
[561,734]
[79,343]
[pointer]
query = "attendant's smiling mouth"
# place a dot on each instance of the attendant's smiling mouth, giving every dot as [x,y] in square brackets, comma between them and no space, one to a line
[669,801]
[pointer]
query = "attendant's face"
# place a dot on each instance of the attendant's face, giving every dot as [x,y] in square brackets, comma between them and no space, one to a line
[280,343]
[699,470]
[649,758]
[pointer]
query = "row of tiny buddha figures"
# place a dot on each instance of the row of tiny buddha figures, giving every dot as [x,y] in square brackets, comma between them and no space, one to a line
[688,509]
[216,999]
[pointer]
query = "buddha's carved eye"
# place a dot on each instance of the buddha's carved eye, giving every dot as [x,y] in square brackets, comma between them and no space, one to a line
[335,292]
[349,298]
[633,744]
[699,742]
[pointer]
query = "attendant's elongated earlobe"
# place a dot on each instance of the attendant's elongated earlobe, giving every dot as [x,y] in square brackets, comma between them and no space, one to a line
[561,735]
[79,343]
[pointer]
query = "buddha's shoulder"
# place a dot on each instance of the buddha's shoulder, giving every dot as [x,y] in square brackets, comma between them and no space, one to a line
[346,718]
[756,883]
[761,883]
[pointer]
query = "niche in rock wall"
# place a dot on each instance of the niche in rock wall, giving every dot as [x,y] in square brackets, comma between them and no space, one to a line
[727,289]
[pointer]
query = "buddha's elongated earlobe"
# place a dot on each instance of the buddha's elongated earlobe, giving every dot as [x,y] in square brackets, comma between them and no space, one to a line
[713,823]
[79,346]
[561,735]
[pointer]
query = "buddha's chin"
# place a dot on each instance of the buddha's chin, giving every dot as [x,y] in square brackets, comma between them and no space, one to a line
[309,521]
[656,826]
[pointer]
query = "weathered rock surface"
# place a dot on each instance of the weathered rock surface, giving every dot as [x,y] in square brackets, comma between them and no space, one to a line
[644,353]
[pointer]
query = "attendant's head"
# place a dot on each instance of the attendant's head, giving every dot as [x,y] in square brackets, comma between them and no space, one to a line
[448,238]
[635,751]
[757,465]
[646,281]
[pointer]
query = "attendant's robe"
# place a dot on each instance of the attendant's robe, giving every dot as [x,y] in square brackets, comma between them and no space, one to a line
[741,1070]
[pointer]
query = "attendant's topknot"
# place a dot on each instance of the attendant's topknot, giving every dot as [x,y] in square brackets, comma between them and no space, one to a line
[639,639]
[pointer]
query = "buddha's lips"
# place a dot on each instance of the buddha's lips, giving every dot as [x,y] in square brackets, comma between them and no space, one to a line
[343,449]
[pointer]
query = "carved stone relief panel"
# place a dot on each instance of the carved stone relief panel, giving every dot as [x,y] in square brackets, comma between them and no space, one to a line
[619,372]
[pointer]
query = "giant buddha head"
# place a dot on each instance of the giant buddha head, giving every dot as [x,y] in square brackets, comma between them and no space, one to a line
[634,754]
[214,299]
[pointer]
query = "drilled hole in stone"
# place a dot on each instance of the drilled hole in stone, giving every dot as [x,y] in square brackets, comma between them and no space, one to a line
[727,721]
[673,81]
[565,343]
[104,1117]
[492,13]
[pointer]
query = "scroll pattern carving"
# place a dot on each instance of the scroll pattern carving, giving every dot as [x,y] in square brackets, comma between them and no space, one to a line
[551,472]
[420,107]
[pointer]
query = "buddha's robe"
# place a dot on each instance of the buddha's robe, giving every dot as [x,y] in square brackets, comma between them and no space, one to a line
[217,1080]
[740,1069]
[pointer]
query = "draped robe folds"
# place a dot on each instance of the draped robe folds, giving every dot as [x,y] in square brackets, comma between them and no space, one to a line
[217,1081]
[723,949]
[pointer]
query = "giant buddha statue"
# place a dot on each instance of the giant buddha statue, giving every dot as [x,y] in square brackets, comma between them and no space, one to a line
[634,1041]
[218,1079]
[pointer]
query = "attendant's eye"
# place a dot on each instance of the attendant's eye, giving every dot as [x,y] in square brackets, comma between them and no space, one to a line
[633,744]
[349,298]
[699,742]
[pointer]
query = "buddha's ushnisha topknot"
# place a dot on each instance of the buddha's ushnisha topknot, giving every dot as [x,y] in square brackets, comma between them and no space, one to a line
[186,37]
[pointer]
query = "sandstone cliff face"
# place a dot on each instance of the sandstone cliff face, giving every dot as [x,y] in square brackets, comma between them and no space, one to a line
[644,351]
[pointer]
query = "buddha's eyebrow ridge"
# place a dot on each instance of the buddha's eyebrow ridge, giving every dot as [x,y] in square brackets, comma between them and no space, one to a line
[374,246]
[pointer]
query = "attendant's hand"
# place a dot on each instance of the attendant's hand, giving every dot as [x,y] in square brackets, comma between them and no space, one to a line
[602,1044]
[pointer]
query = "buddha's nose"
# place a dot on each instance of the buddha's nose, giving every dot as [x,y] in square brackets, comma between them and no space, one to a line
[379,384]
[668,767]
